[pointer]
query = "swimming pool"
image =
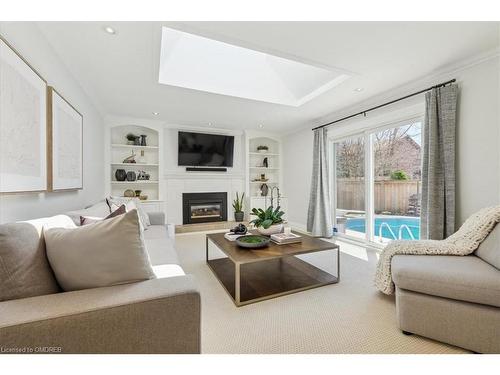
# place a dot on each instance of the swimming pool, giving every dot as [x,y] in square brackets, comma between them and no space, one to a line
[394,222]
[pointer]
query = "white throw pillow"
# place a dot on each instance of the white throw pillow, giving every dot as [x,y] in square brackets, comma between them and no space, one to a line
[130,203]
[106,253]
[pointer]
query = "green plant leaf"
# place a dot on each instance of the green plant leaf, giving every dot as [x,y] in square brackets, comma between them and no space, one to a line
[267,223]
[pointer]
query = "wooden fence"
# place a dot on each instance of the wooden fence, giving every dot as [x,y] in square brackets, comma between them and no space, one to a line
[391,196]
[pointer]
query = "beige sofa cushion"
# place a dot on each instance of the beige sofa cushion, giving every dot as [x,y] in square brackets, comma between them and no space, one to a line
[24,269]
[465,278]
[489,250]
[105,253]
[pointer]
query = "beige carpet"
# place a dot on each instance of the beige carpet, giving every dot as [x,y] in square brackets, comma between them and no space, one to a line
[349,317]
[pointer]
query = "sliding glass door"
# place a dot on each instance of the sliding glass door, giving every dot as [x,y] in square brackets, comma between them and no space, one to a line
[377,182]
[397,182]
[350,187]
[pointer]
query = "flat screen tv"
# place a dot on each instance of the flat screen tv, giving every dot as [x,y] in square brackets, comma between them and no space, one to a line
[207,150]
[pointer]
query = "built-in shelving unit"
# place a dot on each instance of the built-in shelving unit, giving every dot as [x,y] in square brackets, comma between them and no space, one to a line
[148,159]
[256,168]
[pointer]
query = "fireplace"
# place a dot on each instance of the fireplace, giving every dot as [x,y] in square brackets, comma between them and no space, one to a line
[204,207]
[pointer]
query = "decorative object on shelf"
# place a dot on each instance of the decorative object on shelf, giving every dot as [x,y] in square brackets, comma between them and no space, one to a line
[143,140]
[240,229]
[262,149]
[268,221]
[130,159]
[252,241]
[141,175]
[133,139]
[129,193]
[265,163]
[120,175]
[264,190]
[131,176]
[65,124]
[23,125]
[137,193]
[141,159]
[263,177]
[143,197]
[238,207]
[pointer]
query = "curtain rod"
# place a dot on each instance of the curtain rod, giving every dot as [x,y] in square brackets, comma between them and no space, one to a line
[385,104]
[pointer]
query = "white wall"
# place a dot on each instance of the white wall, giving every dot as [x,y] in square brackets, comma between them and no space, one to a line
[478,140]
[29,42]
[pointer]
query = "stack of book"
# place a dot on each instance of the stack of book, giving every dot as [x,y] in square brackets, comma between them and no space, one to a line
[283,238]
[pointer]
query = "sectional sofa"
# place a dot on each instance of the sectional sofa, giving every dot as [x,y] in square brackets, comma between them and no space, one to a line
[160,315]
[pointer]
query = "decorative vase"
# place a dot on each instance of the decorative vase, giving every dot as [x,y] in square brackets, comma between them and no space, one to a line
[143,140]
[129,193]
[239,216]
[265,163]
[120,175]
[131,176]
[273,229]
[264,190]
[137,193]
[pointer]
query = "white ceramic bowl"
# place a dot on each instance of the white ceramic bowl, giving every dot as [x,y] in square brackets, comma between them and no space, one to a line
[273,229]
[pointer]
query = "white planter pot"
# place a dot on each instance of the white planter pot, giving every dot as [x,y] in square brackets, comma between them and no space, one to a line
[262,151]
[273,229]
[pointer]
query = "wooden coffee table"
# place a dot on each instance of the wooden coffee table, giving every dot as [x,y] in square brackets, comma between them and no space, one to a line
[255,275]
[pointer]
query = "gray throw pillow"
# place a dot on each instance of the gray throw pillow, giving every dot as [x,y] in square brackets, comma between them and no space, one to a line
[109,252]
[24,269]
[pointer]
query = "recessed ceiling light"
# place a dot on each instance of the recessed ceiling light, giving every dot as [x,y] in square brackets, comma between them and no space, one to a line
[209,124]
[109,30]
[358,89]
[156,113]
[261,126]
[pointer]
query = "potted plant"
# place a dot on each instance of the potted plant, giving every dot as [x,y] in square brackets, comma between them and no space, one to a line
[238,208]
[262,149]
[269,221]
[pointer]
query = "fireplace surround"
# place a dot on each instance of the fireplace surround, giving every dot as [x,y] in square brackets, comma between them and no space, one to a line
[204,207]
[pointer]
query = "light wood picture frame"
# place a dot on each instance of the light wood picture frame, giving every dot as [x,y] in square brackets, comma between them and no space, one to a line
[23,127]
[65,146]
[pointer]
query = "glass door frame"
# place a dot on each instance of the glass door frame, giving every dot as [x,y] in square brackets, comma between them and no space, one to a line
[368,134]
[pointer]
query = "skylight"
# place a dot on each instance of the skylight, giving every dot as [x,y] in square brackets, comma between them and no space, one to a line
[199,63]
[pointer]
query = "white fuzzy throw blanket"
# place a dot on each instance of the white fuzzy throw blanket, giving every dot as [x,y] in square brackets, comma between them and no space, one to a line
[463,242]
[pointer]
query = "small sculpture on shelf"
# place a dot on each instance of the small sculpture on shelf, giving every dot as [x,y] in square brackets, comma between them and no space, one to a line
[265,163]
[142,175]
[143,140]
[133,139]
[137,193]
[130,159]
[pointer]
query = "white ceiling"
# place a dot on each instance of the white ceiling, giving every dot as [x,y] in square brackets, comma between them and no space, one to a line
[120,72]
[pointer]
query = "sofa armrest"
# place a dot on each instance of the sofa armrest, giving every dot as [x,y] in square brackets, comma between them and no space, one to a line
[157,218]
[153,316]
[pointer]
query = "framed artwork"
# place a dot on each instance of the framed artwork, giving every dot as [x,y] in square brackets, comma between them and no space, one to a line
[65,132]
[23,126]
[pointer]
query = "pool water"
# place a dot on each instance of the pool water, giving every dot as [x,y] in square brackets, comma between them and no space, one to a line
[359,225]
